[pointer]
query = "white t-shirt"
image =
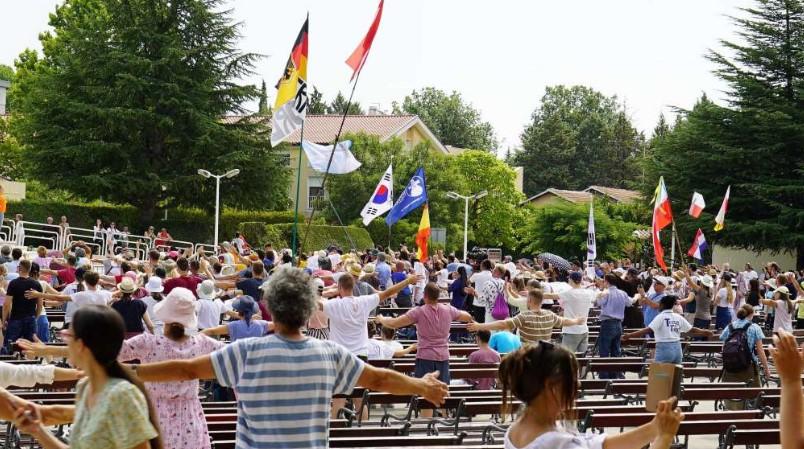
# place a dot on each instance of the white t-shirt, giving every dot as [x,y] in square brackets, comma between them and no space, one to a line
[480,279]
[209,312]
[88,297]
[347,321]
[70,307]
[561,440]
[668,326]
[159,326]
[722,298]
[782,319]
[576,303]
[335,258]
[511,267]
[381,349]
[443,278]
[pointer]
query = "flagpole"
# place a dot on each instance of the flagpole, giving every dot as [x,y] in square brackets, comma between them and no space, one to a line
[680,250]
[673,247]
[298,190]
[329,162]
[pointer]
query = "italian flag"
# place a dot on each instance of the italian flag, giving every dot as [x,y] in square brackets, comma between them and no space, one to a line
[423,235]
[662,216]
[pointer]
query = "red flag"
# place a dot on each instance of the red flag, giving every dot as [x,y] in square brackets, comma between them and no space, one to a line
[358,57]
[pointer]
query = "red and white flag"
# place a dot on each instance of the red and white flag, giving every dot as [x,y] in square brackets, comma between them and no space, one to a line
[662,216]
[720,219]
[697,206]
[358,57]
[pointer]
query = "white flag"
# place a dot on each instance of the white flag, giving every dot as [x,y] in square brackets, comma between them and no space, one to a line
[591,246]
[342,162]
[383,198]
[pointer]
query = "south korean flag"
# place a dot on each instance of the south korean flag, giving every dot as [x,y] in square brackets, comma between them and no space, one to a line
[382,200]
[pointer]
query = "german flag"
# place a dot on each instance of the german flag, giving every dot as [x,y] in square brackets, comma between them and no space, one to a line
[290,107]
[423,236]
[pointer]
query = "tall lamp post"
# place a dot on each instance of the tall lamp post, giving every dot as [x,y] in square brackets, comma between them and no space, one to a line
[458,196]
[228,174]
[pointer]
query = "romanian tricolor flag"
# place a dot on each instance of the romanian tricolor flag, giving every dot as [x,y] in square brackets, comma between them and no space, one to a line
[423,236]
[290,107]
[662,216]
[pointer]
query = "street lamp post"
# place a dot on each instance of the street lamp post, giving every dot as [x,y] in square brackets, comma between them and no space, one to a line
[228,174]
[458,196]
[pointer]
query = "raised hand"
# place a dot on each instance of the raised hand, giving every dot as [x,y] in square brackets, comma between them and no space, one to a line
[786,356]
[668,418]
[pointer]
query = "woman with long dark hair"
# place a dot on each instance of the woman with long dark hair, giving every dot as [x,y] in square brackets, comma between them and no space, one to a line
[112,408]
[456,288]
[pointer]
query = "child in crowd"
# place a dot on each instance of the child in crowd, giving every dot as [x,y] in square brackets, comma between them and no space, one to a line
[544,378]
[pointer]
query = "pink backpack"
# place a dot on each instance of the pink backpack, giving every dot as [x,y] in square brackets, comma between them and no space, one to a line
[500,310]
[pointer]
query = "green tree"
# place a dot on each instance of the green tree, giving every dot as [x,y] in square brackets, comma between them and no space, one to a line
[492,219]
[454,121]
[754,143]
[578,137]
[263,108]
[338,106]
[126,103]
[11,155]
[561,229]
[317,104]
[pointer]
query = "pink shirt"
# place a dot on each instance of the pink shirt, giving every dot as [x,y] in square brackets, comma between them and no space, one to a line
[484,355]
[432,328]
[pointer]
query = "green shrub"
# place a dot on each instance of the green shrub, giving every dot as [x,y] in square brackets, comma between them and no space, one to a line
[320,236]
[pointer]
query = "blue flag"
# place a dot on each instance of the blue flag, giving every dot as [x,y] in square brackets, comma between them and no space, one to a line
[414,195]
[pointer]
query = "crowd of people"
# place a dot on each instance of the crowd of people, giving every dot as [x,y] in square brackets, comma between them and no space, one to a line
[282,336]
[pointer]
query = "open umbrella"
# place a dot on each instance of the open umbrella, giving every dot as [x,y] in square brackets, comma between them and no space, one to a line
[554,260]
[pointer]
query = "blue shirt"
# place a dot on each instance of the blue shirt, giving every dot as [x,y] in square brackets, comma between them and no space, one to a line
[504,342]
[284,388]
[649,312]
[452,267]
[383,274]
[753,334]
[239,329]
[613,304]
[399,276]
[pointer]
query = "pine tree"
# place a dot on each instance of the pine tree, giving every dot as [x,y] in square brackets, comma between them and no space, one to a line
[754,143]
[317,105]
[263,108]
[338,106]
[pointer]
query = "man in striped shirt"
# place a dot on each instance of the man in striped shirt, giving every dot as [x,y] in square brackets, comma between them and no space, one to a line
[534,324]
[285,382]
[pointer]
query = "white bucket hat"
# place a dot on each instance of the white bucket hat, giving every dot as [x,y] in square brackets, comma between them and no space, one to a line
[177,307]
[154,285]
[207,290]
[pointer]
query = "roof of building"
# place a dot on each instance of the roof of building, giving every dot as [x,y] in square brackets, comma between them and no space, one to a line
[323,128]
[619,195]
[573,196]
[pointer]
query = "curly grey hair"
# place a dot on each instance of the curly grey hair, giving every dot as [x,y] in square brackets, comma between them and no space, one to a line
[291,297]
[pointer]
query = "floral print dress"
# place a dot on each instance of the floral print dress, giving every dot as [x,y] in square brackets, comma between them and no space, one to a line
[181,417]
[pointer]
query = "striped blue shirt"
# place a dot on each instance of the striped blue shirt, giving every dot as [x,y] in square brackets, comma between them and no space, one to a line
[284,388]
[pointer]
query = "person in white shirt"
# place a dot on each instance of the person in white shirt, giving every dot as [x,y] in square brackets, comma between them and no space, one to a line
[667,328]
[208,307]
[418,291]
[487,295]
[349,314]
[575,302]
[510,266]
[92,294]
[27,376]
[154,288]
[388,348]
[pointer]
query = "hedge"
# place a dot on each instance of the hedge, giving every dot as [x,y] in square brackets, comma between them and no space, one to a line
[194,225]
[320,236]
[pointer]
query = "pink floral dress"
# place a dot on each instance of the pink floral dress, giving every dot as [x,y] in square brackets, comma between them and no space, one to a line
[181,417]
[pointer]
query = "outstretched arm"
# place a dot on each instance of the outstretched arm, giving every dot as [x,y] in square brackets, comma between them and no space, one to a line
[173,370]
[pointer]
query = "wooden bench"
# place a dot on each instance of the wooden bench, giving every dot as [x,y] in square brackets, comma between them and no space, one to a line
[751,437]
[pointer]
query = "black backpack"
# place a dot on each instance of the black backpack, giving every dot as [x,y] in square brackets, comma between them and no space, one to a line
[736,351]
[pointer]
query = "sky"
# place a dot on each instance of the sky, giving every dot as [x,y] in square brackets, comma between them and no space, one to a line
[500,55]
